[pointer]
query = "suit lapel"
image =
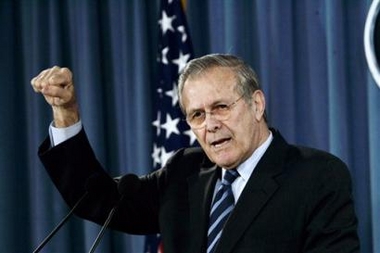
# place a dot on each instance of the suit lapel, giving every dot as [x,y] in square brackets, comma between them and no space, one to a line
[201,188]
[258,191]
[256,194]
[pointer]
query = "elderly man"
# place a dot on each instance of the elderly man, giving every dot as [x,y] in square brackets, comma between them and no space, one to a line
[244,190]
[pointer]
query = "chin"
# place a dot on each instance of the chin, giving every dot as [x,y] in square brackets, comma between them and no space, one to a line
[223,158]
[225,163]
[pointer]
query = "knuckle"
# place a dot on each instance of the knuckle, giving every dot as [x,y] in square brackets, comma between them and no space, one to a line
[33,81]
[53,79]
[66,72]
[55,68]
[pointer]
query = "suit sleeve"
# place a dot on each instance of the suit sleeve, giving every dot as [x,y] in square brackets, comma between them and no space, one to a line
[331,221]
[74,170]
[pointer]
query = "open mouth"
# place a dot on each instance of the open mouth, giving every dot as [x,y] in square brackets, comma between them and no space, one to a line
[219,143]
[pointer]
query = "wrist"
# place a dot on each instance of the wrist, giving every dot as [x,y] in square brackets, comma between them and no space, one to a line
[65,117]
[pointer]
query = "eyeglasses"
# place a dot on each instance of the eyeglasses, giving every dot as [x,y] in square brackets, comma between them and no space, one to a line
[221,112]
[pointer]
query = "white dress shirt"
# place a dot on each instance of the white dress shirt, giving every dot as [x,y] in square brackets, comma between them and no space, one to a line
[59,135]
[246,169]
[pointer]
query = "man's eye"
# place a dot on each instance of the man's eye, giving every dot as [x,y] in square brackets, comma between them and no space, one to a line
[197,115]
[221,107]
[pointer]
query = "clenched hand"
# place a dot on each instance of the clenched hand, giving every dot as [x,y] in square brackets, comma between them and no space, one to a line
[56,85]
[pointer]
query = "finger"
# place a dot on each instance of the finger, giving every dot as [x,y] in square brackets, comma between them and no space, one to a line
[58,80]
[55,91]
[37,82]
[34,85]
[41,80]
[58,96]
[66,72]
[55,76]
[61,77]
[50,72]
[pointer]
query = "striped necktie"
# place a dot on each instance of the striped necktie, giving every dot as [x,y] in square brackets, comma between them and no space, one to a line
[221,209]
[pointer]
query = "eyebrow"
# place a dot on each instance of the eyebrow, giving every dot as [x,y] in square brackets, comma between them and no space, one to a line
[211,105]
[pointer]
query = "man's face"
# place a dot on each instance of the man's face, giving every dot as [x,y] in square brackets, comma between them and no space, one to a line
[230,142]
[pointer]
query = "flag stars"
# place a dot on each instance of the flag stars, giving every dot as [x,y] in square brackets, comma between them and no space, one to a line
[173,53]
[182,30]
[156,155]
[164,54]
[181,61]
[160,92]
[173,94]
[170,126]
[157,123]
[165,155]
[191,136]
[166,23]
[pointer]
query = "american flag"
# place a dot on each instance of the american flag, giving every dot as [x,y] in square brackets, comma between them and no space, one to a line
[170,131]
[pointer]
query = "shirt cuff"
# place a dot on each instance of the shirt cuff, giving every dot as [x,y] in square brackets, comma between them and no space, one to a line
[59,135]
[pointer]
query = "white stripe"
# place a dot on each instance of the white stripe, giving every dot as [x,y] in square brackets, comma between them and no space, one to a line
[216,204]
[222,215]
[212,245]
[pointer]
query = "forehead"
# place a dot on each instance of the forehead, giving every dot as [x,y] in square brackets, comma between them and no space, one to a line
[217,79]
[216,84]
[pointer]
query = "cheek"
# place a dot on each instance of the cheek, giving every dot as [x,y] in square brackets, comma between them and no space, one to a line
[244,134]
[200,135]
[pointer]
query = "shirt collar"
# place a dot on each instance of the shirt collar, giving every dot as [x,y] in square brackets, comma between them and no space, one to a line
[246,168]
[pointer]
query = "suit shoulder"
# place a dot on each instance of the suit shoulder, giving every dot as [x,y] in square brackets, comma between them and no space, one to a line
[312,155]
[318,162]
[188,154]
[187,159]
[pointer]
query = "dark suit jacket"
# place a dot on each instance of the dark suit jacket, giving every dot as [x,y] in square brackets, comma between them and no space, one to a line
[297,199]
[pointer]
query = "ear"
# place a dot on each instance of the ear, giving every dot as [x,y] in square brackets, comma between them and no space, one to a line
[258,102]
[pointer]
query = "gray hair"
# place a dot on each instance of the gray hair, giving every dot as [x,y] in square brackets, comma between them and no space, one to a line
[247,80]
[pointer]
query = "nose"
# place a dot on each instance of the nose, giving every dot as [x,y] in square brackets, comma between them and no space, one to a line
[212,124]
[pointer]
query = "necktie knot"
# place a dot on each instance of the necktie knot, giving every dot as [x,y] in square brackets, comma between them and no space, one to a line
[229,177]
